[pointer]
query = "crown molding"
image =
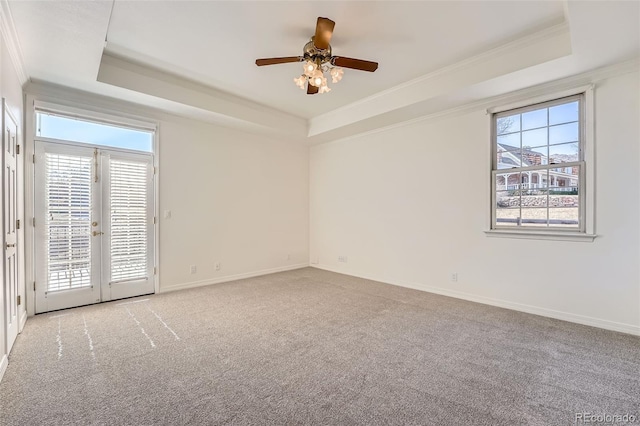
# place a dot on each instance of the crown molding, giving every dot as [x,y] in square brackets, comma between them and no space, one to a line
[588,78]
[68,97]
[126,74]
[548,44]
[546,34]
[10,36]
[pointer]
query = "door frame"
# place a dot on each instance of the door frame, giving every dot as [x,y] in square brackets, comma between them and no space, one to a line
[101,288]
[114,112]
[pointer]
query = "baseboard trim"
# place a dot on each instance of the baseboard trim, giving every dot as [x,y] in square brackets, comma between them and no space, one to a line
[23,321]
[228,278]
[550,313]
[3,366]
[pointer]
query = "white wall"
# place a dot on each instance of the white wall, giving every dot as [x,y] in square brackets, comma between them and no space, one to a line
[235,198]
[409,205]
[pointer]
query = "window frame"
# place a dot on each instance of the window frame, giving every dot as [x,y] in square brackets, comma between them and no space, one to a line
[586,182]
[88,116]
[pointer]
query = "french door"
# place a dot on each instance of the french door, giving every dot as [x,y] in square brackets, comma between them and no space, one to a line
[93,225]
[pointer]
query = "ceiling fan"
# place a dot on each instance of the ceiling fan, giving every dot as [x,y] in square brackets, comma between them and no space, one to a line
[318,60]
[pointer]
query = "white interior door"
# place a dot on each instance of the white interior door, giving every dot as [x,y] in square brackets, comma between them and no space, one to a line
[94,225]
[10,208]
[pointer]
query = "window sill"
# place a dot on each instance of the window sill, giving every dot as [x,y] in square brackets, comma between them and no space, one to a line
[540,235]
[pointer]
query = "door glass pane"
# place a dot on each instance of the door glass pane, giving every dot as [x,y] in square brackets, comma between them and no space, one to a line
[68,221]
[129,220]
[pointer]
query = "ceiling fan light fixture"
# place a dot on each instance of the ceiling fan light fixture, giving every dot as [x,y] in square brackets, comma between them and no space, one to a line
[317,78]
[300,81]
[317,60]
[336,74]
[309,68]
[316,81]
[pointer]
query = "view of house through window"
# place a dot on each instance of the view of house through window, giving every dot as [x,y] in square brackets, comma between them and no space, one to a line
[538,166]
[77,130]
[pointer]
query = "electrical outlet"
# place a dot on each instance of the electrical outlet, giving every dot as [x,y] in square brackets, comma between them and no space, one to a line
[454,276]
[342,259]
[217,266]
[193,269]
[167,214]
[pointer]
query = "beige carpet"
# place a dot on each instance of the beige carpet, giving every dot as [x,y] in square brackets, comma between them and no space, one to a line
[313,347]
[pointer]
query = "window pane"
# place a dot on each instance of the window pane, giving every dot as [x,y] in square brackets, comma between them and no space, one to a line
[508,181]
[533,119]
[564,133]
[564,199]
[534,197]
[536,137]
[564,113]
[535,156]
[564,217]
[542,150]
[510,141]
[533,181]
[508,124]
[509,159]
[507,208]
[71,129]
[564,181]
[564,153]
[534,216]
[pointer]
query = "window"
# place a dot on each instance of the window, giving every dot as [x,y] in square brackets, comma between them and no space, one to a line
[54,126]
[538,170]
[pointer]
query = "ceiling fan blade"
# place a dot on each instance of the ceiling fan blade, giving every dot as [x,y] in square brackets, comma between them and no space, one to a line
[273,61]
[324,31]
[356,64]
[311,90]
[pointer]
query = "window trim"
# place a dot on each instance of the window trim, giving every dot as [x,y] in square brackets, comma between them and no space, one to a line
[109,119]
[587,178]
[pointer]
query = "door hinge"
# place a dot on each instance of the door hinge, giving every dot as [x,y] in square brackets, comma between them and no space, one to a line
[33,158]
[154,270]
[154,170]
[19,300]
[17,149]
[34,222]
[18,224]
[154,220]
[34,286]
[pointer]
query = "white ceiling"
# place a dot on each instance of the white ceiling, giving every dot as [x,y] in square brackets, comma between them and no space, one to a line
[215,44]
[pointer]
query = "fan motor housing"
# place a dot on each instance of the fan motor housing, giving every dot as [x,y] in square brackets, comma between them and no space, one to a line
[313,54]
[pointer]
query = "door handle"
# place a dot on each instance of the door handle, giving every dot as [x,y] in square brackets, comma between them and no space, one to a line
[96,233]
[11,245]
